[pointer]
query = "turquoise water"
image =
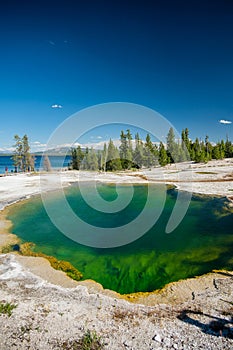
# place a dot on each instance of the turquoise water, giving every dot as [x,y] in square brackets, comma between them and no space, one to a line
[202,242]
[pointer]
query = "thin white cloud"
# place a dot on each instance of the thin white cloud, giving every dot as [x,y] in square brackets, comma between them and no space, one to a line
[99,137]
[56,106]
[51,42]
[37,146]
[222,121]
[7,149]
[41,145]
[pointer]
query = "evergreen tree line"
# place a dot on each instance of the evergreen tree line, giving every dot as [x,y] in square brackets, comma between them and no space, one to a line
[144,154]
[148,154]
[198,151]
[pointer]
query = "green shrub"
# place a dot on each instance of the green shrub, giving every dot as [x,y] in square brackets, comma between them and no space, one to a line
[89,341]
[6,308]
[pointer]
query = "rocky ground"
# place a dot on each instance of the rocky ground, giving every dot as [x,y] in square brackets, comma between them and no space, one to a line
[49,316]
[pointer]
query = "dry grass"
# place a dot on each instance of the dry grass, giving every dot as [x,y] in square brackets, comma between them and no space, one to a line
[119,314]
[89,341]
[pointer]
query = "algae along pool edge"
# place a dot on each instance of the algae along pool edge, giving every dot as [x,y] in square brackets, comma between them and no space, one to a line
[202,242]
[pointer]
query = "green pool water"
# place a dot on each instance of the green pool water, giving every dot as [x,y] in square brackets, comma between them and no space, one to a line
[202,242]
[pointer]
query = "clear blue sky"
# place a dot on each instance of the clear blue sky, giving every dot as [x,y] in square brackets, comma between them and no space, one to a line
[173,56]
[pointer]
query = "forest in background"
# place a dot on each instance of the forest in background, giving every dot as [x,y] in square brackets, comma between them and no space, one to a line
[135,154]
[131,154]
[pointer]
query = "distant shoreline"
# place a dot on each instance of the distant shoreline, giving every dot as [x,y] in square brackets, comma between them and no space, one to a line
[57,162]
[214,179]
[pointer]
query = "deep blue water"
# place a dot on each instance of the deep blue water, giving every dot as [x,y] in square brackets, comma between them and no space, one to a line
[56,162]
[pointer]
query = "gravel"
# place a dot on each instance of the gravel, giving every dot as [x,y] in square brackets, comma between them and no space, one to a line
[49,316]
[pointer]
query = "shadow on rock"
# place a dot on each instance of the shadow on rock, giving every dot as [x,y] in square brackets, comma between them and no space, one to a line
[215,326]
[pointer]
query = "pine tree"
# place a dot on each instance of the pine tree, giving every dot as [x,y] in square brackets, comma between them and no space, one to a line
[182,154]
[199,151]
[22,157]
[18,154]
[123,149]
[222,149]
[216,153]
[74,159]
[113,158]
[80,156]
[99,159]
[196,150]
[150,153]
[186,139]
[208,149]
[138,156]
[228,149]
[26,154]
[129,154]
[172,149]
[185,145]
[163,158]
[126,150]
[86,160]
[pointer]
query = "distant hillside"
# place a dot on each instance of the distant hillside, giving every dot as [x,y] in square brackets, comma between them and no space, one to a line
[59,151]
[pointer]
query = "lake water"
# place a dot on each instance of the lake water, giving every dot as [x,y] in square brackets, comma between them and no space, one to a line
[202,242]
[56,162]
